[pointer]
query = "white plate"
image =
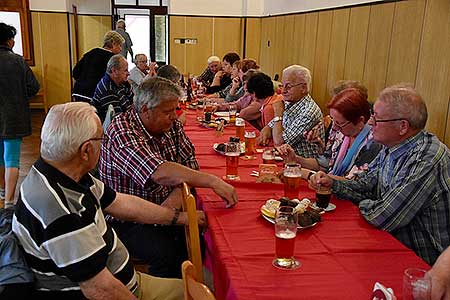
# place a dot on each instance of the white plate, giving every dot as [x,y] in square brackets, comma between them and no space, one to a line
[223,153]
[270,220]
[330,207]
[223,114]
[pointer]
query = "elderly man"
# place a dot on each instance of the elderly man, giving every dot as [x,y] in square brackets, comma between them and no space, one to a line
[114,88]
[406,189]
[297,115]
[120,28]
[146,153]
[59,218]
[208,74]
[140,71]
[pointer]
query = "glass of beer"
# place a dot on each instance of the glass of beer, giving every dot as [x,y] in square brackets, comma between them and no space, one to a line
[240,128]
[250,144]
[268,156]
[292,174]
[323,196]
[285,232]
[232,152]
[232,110]
[415,285]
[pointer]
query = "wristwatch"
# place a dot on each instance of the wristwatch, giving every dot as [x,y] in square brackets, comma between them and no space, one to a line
[274,120]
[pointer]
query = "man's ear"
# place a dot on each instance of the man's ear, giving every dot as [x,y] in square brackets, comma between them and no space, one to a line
[404,127]
[84,154]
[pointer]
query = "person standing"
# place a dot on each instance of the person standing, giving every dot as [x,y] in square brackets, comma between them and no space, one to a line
[120,28]
[17,85]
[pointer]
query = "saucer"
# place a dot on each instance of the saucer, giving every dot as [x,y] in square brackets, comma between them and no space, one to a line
[330,207]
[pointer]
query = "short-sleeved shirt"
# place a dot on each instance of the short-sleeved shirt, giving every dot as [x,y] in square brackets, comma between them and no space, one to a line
[298,118]
[135,78]
[130,155]
[60,224]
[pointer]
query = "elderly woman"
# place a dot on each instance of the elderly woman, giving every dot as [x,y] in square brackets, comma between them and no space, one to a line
[223,77]
[17,85]
[92,66]
[353,147]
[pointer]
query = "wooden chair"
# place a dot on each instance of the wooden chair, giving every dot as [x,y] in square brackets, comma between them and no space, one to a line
[192,232]
[194,290]
[42,94]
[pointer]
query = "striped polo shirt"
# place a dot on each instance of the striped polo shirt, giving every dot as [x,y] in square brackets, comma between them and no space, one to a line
[60,224]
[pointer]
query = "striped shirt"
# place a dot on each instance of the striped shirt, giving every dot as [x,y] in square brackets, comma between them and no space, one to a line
[407,192]
[130,155]
[107,92]
[60,224]
[298,118]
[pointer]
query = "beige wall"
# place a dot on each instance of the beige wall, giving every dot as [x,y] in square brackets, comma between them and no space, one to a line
[91,30]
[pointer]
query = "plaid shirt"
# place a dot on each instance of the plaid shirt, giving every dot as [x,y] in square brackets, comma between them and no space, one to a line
[206,77]
[407,192]
[130,155]
[300,117]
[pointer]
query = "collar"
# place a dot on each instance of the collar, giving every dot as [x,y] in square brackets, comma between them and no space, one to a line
[297,103]
[55,175]
[400,149]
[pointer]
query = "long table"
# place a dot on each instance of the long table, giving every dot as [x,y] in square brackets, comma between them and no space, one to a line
[342,257]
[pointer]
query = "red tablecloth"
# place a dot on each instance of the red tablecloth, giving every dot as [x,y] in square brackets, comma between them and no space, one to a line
[342,257]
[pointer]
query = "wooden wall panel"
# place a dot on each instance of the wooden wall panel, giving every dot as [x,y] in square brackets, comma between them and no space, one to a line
[320,73]
[227,36]
[177,52]
[91,30]
[197,55]
[267,45]
[405,41]
[287,50]
[338,43]
[310,38]
[433,80]
[297,44]
[356,43]
[279,42]
[378,43]
[253,38]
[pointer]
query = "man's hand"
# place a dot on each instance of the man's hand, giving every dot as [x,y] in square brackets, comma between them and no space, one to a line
[320,178]
[226,191]
[440,277]
[287,153]
[265,136]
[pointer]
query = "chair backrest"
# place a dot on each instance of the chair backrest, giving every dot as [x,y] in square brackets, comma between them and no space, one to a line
[194,290]
[109,116]
[192,232]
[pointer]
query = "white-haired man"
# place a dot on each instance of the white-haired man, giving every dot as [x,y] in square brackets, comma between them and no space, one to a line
[406,189]
[141,71]
[208,74]
[59,218]
[114,88]
[146,153]
[296,115]
[120,28]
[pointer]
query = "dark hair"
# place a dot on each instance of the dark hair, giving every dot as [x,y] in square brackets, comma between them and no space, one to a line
[231,57]
[6,32]
[247,64]
[261,85]
[352,104]
[169,72]
[249,74]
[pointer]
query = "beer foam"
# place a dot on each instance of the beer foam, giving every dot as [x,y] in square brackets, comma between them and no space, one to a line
[285,234]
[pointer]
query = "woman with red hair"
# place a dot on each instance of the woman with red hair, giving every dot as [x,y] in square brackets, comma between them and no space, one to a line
[352,148]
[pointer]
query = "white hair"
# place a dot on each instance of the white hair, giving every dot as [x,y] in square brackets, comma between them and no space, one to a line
[299,71]
[120,21]
[66,127]
[213,59]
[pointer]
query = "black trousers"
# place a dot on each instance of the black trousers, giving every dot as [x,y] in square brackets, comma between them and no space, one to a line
[163,248]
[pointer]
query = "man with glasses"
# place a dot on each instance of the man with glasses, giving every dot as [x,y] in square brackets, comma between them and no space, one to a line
[114,88]
[140,71]
[59,219]
[298,114]
[406,189]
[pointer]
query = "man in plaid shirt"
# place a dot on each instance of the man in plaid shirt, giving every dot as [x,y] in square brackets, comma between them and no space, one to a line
[294,116]
[146,153]
[406,189]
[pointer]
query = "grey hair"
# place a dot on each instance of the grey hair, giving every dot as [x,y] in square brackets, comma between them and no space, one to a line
[299,71]
[112,37]
[65,128]
[405,102]
[114,63]
[120,21]
[136,57]
[152,91]
[213,59]
[169,72]
[347,84]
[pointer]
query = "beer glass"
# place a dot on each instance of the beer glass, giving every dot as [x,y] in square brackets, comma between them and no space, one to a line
[250,144]
[285,232]
[323,196]
[292,177]
[232,110]
[415,285]
[268,156]
[232,152]
[240,128]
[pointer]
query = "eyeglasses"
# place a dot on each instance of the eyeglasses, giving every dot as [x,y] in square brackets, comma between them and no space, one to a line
[142,61]
[375,120]
[340,127]
[289,86]
[92,139]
